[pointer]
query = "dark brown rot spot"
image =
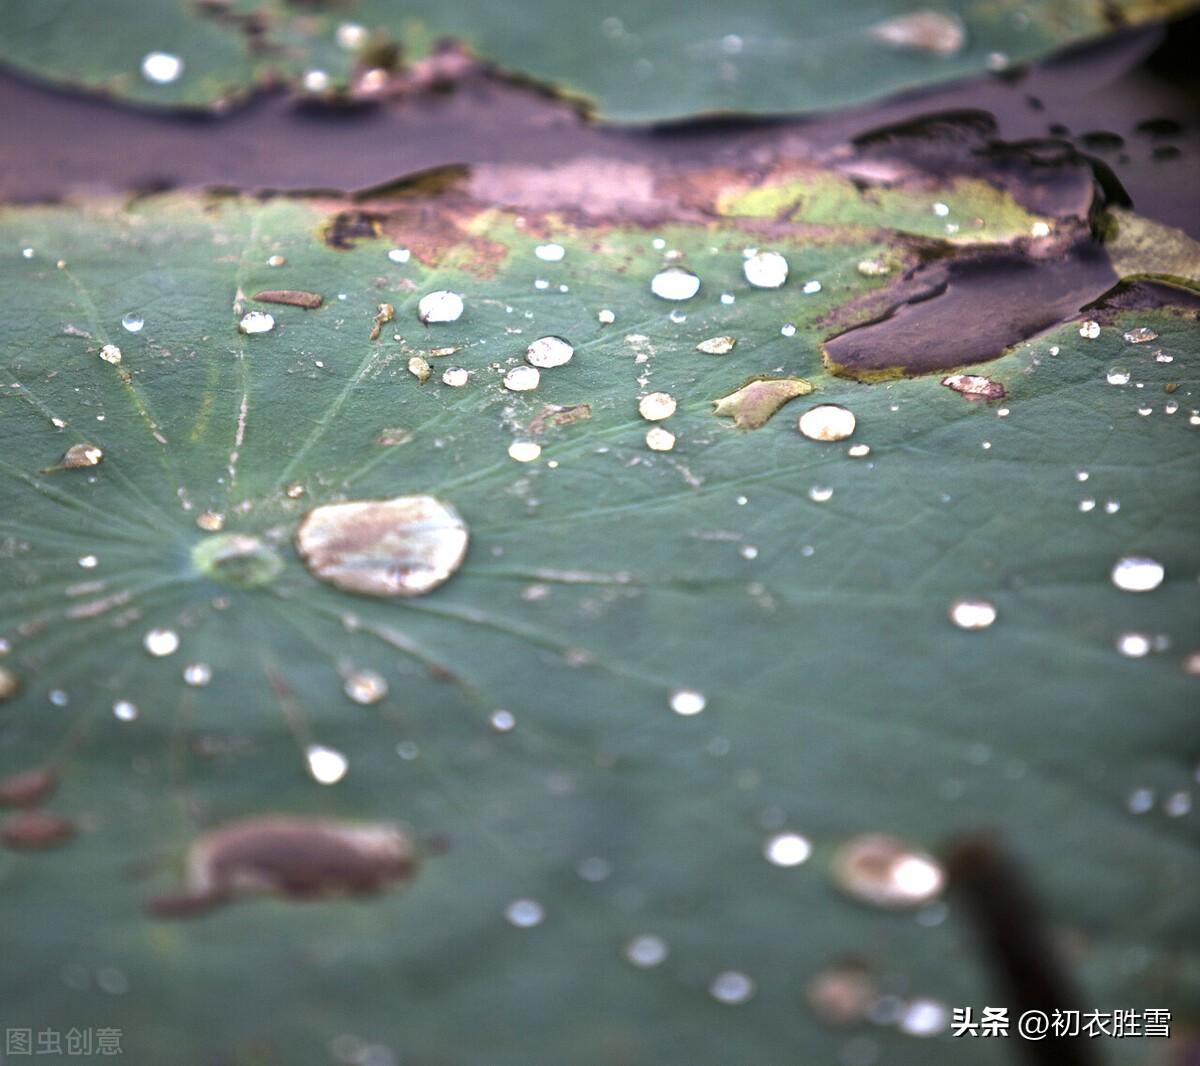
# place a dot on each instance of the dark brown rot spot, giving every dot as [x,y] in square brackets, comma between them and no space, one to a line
[294,297]
[294,858]
[28,788]
[35,830]
[346,227]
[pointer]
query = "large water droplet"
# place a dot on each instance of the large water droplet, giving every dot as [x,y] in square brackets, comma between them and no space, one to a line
[687,701]
[1117,375]
[887,872]
[524,451]
[765,270]
[787,849]
[440,306]
[656,406]
[827,421]
[161,68]
[405,546]
[675,283]
[256,322]
[1134,645]
[1137,573]
[326,765]
[660,439]
[522,379]
[972,614]
[547,352]
[454,376]
[132,322]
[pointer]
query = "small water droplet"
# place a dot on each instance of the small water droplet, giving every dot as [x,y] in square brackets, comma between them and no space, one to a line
[455,376]
[1087,504]
[687,701]
[550,253]
[675,283]
[748,551]
[541,284]
[858,451]
[326,765]
[885,871]
[405,546]
[210,521]
[350,36]
[924,1017]
[1140,335]
[440,306]
[132,322]
[503,721]
[605,317]
[197,674]
[110,353]
[275,261]
[125,711]
[1089,330]
[522,379]
[732,987]
[1177,805]
[1140,801]
[811,287]
[765,270]
[365,686]
[1137,573]
[1040,229]
[827,422]
[594,869]
[399,255]
[660,439]
[1134,645]
[549,352]
[1117,375]
[656,406]
[160,642]
[1145,410]
[728,298]
[524,451]
[787,849]
[524,913]
[678,317]
[89,562]
[972,614]
[646,951]
[1163,357]
[940,209]
[161,68]
[820,493]
[257,322]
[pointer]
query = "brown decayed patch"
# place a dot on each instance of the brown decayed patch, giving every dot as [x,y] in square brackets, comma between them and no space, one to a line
[34,830]
[292,297]
[28,788]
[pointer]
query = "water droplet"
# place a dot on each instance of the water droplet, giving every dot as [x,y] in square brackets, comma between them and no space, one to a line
[503,721]
[873,268]
[656,406]
[1040,229]
[197,674]
[972,614]
[89,562]
[748,551]
[550,253]
[926,31]
[1177,805]
[132,322]
[160,642]
[732,988]
[924,1017]
[820,493]
[660,439]
[315,81]
[365,686]
[717,345]
[541,284]
[1090,330]
[606,317]
[1140,335]
[237,559]
[1140,801]
[1117,375]
[1145,410]
[677,316]
[440,306]
[1081,475]
[858,451]
[351,36]
[524,451]
[161,68]
[125,711]
[399,255]
[275,261]
[326,765]
[675,283]
[765,270]
[646,951]
[27,253]
[524,913]
[827,421]
[1170,407]
[110,353]
[886,872]
[1087,504]
[940,209]
[687,702]
[728,298]
[257,322]
[1137,573]
[1134,645]
[811,287]
[79,456]
[455,376]
[1163,357]
[548,352]
[787,849]
[210,521]
[522,379]
[405,546]
[59,698]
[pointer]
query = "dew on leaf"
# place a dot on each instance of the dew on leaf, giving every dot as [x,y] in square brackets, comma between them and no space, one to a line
[524,913]
[1087,504]
[811,287]
[765,270]
[924,1017]
[197,674]
[327,766]
[125,711]
[1117,375]
[886,872]
[132,322]
[827,422]
[1137,573]
[550,253]
[548,352]
[524,451]
[1134,645]
[406,546]
[34,830]
[399,255]
[675,283]
[257,322]
[925,31]
[717,345]
[753,404]
[161,642]
[656,406]
[503,721]
[350,36]
[1140,335]
[787,849]
[161,68]
[440,306]
[940,209]
[1140,801]
[110,353]
[728,298]
[605,317]
[522,379]
[646,951]
[1090,330]
[687,702]
[972,614]
[660,439]
[276,261]
[732,987]
[788,329]
[455,376]
[858,451]
[365,686]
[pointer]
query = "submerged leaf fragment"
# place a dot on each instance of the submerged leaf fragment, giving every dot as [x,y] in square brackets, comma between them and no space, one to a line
[974,386]
[924,31]
[292,297]
[753,404]
[405,546]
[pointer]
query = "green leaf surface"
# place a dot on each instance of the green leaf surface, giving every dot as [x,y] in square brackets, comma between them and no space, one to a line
[600,578]
[630,62]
